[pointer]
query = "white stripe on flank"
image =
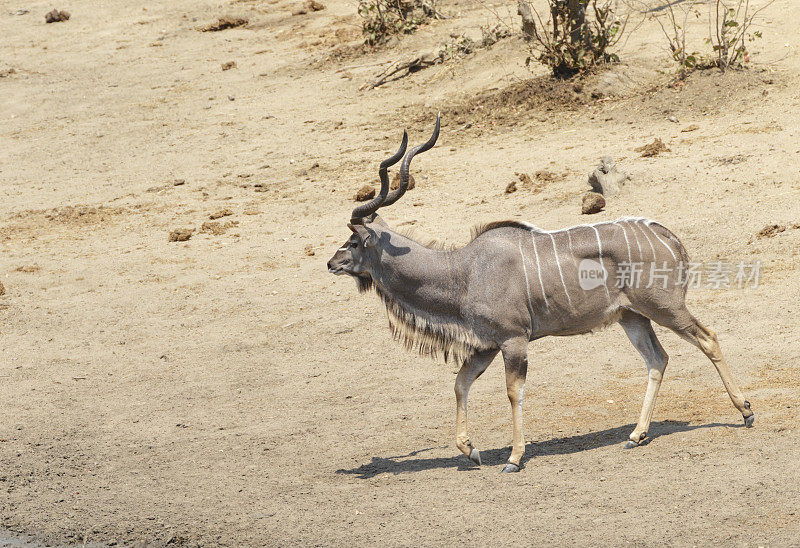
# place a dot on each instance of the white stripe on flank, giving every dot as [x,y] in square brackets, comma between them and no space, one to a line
[627,242]
[571,252]
[560,273]
[343,249]
[527,284]
[635,237]
[647,224]
[649,241]
[539,268]
[600,259]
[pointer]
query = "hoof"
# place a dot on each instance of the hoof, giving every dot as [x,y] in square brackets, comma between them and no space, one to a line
[475,456]
[509,468]
[630,444]
[748,421]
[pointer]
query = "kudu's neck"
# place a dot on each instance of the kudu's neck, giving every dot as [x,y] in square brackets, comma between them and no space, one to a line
[419,279]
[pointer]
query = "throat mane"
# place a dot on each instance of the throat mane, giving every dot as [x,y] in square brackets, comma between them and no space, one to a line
[428,334]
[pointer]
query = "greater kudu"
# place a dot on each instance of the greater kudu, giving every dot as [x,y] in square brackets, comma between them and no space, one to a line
[514,283]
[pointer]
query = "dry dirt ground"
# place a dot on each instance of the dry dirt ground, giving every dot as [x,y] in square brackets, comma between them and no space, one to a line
[227,390]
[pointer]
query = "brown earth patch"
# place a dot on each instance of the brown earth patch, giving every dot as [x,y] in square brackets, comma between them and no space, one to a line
[224,23]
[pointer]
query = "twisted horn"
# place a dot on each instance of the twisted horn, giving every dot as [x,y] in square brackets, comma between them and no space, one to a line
[370,207]
[398,193]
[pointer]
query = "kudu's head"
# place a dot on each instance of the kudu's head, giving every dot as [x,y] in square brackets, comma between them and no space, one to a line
[361,252]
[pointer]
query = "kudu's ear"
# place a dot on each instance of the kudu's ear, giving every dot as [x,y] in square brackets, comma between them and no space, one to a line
[367,237]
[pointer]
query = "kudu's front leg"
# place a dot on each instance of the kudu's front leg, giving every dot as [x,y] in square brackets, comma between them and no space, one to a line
[515,355]
[471,370]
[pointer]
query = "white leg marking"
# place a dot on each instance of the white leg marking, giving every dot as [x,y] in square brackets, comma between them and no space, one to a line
[647,224]
[600,258]
[560,273]
[527,284]
[539,268]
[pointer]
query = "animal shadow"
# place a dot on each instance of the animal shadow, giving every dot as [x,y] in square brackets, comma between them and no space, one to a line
[555,446]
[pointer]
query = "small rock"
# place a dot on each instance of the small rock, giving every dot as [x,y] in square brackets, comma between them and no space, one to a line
[181,234]
[178,182]
[231,98]
[693,127]
[315,5]
[309,250]
[512,187]
[251,211]
[229,65]
[300,11]
[593,202]
[364,193]
[396,182]
[653,149]
[221,213]
[56,16]
[672,119]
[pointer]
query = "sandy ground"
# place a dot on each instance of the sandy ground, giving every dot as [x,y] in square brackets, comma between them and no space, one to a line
[227,390]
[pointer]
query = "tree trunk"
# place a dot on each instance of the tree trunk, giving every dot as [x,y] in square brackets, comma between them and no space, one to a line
[577,19]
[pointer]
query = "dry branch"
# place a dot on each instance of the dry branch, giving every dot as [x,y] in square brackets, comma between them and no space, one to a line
[412,65]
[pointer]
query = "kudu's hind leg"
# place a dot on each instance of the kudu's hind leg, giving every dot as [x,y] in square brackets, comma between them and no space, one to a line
[706,340]
[515,355]
[471,370]
[640,332]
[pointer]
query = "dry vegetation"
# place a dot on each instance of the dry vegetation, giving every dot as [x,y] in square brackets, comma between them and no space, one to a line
[178,368]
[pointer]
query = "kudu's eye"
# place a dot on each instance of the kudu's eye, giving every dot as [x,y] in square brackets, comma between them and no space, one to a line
[353,244]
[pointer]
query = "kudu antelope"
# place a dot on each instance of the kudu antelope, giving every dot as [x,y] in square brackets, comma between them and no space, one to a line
[514,283]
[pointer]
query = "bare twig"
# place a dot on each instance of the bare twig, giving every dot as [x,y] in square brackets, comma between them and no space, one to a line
[364,65]
[412,65]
